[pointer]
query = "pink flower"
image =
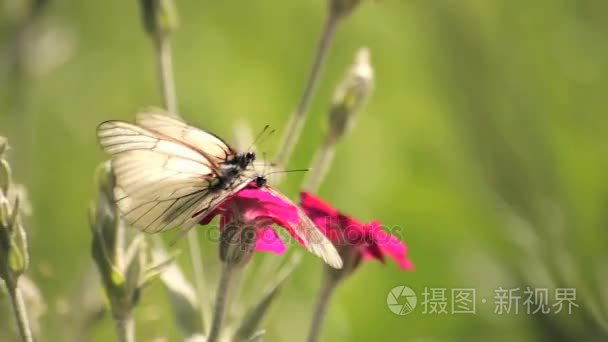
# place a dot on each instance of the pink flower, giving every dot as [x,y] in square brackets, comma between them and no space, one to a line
[259,209]
[251,212]
[351,237]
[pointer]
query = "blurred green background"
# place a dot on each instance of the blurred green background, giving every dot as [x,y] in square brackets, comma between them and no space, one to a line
[485,141]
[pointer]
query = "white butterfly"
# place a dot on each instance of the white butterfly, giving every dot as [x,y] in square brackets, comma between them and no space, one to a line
[169,174]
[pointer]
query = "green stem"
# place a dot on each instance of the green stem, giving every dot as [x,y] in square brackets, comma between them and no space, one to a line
[125,328]
[320,164]
[164,61]
[20,312]
[296,122]
[323,297]
[220,302]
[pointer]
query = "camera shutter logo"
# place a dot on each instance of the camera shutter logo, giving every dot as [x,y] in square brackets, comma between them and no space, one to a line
[401,300]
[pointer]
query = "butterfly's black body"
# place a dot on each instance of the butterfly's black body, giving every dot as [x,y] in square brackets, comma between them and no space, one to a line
[260,181]
[242,160]
[231,169]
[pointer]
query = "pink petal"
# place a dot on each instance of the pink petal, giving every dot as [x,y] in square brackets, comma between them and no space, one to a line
[369,239]
[323,216]
[316,207]
[262,206]
[389,245]
[259,207]
[256,202]
[268,241]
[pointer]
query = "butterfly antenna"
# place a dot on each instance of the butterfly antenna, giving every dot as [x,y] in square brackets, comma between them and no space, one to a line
[287,171]
[258,137]
[265,163]
[265,137]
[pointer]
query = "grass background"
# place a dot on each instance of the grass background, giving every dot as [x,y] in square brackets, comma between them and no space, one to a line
[485,141]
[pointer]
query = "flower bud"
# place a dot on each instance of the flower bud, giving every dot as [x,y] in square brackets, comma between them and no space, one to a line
[105,181]
[237,243]
[14,253]
[120,254]
[351,94]
[159,16]
[18,257]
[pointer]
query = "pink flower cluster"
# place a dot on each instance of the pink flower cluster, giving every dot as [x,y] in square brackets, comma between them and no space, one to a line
[261,209]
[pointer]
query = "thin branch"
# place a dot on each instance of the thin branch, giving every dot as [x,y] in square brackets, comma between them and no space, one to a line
[320,164]
[164,62]
[327,289]
[220,302]
[20,312]
[296,122]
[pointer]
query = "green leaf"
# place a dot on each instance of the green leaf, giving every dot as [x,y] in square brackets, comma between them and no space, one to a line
[5,175]
[258,336]
[249,324]
[184,301]
[157,269]
[5,212]
[14,214]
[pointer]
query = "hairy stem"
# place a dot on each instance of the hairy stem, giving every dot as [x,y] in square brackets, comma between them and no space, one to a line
[296,122]
[20,312]
[125,328]
[220,302]
[164,61]
[323,297]
[320,164]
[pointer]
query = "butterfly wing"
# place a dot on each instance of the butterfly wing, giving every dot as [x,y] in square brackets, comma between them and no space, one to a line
[203,142]
[160,183]
[314,240]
